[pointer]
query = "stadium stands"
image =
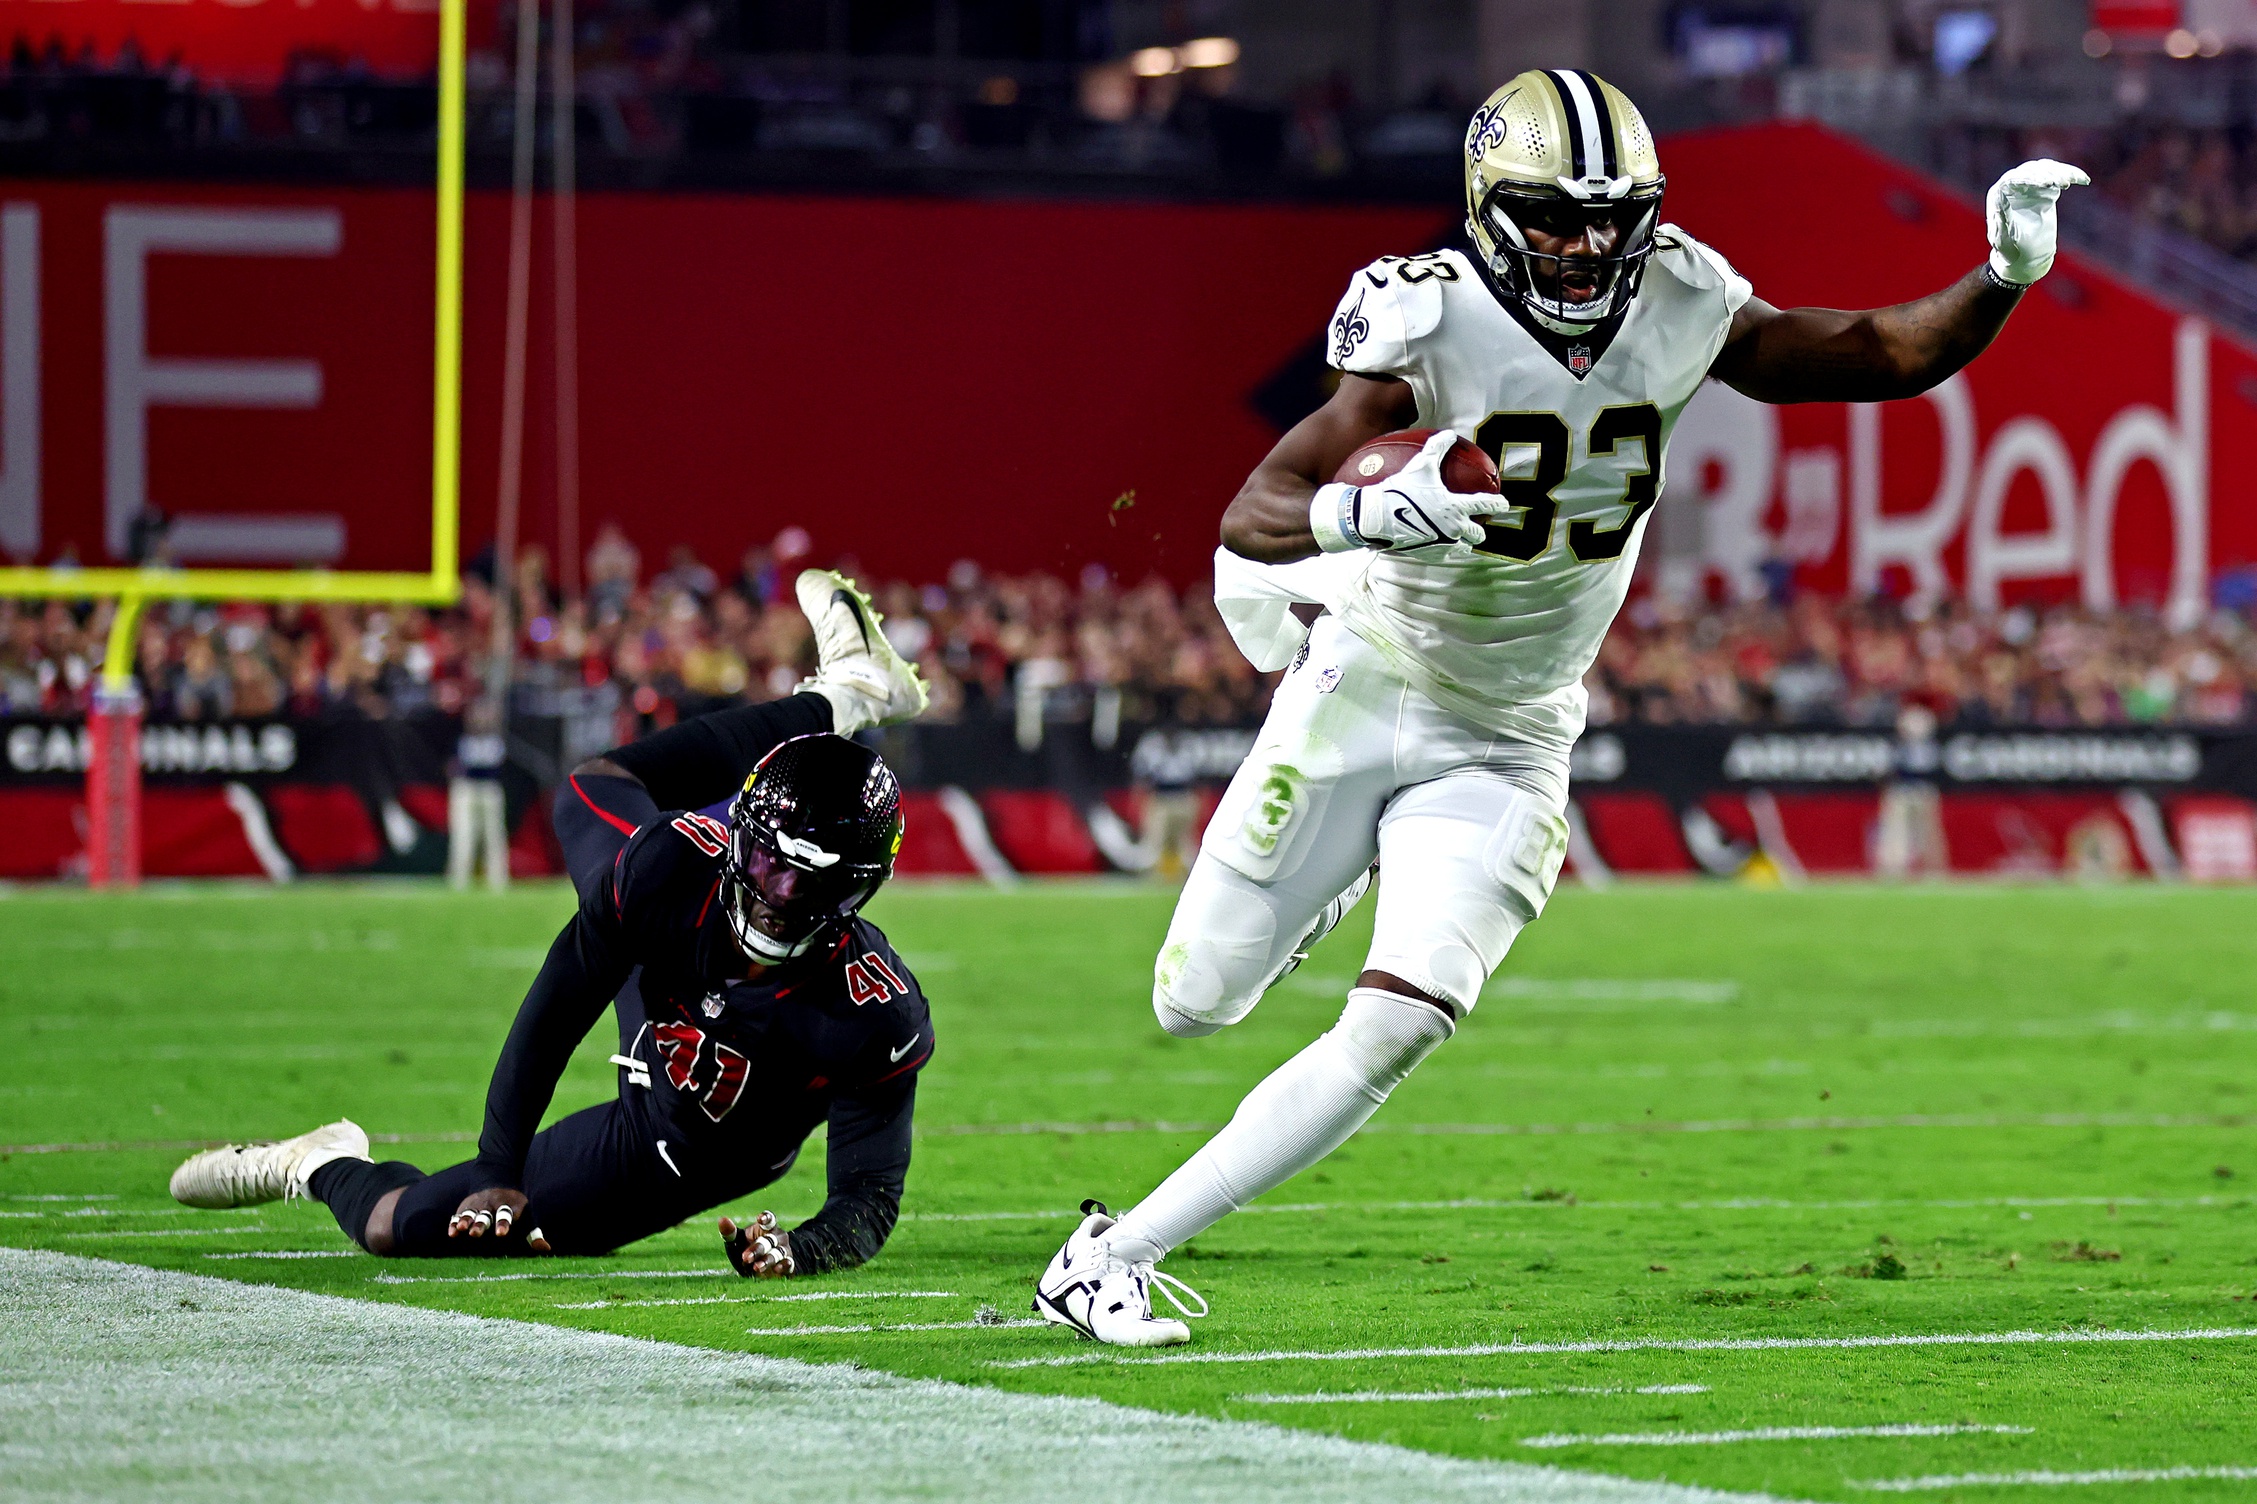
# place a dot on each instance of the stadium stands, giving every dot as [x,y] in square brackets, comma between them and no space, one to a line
[1009,646]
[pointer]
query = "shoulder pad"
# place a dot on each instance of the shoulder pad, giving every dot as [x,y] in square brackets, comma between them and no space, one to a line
[668,862]
[1390,303]
[1698,265]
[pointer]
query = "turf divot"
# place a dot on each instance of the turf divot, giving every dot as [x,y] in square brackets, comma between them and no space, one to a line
[134,1382]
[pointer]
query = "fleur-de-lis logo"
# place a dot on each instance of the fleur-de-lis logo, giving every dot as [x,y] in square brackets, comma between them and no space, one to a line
[1349,330]
[1487,130]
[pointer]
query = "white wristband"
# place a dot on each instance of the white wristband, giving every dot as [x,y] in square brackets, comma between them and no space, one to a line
[1332,518]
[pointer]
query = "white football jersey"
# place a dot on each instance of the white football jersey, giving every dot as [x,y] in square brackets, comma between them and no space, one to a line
[1504,632]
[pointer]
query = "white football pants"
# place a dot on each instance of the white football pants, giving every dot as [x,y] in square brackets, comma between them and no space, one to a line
[1353,763]
[1469,831]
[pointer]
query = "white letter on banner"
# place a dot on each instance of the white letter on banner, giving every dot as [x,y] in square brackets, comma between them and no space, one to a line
[138,381]
[1913,539]
[2182,454]
[19,380]
[1740,437]
[2034,445]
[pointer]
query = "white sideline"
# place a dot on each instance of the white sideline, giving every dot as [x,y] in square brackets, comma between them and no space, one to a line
[1658,1344]
[2048,1479]
[1765,1433]
[144,1383]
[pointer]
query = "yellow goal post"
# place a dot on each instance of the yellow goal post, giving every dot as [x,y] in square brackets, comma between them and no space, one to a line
[441,583]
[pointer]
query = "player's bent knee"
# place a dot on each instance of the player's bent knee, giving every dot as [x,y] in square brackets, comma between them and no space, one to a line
[1383,1035]
[1220,952]
[1181,1025]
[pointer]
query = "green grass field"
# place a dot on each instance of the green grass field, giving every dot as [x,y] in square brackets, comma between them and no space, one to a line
[1683,1115]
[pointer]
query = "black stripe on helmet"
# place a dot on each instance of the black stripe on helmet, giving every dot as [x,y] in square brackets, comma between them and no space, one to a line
[1574,120]
[1606,121]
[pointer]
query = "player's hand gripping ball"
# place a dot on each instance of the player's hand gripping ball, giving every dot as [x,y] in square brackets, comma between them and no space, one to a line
[759,1249]
[1416,489]
[1464,467]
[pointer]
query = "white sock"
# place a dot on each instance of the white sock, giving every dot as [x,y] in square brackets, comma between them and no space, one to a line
[1301,1112]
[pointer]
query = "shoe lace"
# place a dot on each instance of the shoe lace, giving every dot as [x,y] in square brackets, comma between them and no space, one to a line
[1165,1281]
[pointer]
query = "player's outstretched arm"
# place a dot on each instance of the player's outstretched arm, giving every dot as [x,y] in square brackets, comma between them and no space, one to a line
[1268,521]
[1881,354]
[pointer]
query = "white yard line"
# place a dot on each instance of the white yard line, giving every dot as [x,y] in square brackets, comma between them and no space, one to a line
[1736,1204]
[293,1253]
[1763,1433]
[879,1326]
[114,1371]
[1497,1130]
[1657,1344]
[113,1146]
[164,1232]
[1713,1125]
[2049,1479]
[738,1300]
[1421,1396]
[504,1279]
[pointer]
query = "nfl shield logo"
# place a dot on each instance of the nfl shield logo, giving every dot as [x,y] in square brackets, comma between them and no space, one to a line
[1579,359]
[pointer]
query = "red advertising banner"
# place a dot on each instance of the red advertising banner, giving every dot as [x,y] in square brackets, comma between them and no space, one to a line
[1039,384]
[2157,16]
[2099,451]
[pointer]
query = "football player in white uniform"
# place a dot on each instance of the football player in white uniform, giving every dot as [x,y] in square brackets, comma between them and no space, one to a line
[1428,714]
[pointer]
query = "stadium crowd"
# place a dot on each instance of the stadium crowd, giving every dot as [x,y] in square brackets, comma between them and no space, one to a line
[2197,181]
[677,640]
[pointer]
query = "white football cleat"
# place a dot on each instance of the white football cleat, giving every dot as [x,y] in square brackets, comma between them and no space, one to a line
[247,1174]
[1328,921]
[1106,1297]
[857,670]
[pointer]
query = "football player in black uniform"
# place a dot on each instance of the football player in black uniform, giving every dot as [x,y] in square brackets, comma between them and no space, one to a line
[753,1001]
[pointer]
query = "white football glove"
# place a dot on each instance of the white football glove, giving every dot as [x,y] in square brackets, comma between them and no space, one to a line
[2019,212]
[1411,509]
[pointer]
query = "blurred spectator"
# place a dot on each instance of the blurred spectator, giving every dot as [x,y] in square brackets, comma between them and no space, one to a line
[1034,649]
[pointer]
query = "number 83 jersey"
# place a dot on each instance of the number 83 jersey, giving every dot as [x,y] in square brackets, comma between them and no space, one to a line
[1502,632]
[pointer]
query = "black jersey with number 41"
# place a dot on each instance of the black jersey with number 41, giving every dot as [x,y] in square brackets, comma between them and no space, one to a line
[845,1018]
[749,1066]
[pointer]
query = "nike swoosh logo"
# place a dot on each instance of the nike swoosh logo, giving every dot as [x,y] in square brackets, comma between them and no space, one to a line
[662,1154]
[895,1056]
[854,607]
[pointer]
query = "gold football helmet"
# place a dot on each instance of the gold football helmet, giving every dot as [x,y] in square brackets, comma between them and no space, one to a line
[1560,151]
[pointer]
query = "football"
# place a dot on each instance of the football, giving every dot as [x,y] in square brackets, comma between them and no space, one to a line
[1465,469]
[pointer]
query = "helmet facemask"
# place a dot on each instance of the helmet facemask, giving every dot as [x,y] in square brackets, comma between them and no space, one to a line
[1574,293]
[812,835]
[786,896]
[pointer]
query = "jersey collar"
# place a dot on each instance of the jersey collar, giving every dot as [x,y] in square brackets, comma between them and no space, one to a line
[1578,354]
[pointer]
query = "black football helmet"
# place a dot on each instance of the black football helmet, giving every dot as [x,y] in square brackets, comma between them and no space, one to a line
[812,836]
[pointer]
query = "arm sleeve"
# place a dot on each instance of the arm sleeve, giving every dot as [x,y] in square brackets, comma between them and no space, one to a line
[869,1165]
[584,971]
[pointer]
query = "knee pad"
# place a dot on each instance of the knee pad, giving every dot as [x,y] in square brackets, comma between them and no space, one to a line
[1382,1036]
[1218,954]
[1483,856]
[1181,1025]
